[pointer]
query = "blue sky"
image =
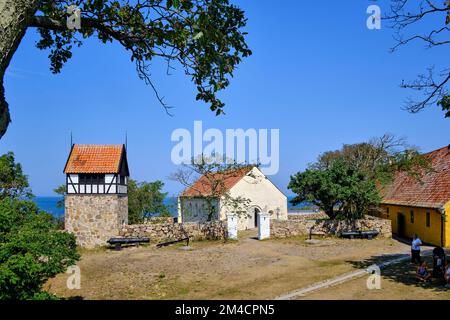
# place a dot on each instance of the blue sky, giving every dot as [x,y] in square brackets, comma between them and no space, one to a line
[316,73]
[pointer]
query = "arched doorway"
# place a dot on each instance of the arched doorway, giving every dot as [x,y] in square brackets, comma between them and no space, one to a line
[253,217]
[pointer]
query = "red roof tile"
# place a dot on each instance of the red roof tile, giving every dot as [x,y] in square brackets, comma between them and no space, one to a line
[216,183]
[432,190]
[91,158]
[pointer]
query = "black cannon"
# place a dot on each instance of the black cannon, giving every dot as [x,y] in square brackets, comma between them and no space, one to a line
[118,242]
[369,234]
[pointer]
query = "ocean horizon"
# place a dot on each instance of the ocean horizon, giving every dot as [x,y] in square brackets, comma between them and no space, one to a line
[49,204]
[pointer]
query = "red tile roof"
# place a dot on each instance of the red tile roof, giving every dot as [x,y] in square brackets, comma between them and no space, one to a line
[432,190]
[92,158]
[215,183]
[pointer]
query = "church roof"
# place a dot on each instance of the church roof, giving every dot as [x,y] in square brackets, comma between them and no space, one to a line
[92,158]
[216,183]
[432,190]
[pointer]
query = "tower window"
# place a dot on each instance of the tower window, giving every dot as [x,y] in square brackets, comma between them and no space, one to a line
[428,222]
[412,216]
[91,178]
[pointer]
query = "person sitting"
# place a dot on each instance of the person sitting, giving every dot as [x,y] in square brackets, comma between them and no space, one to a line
[422,272]
[447,274]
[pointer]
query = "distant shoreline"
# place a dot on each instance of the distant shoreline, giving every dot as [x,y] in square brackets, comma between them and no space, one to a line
[48,204]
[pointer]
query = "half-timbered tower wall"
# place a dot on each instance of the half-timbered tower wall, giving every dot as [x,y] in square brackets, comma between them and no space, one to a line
[96,200]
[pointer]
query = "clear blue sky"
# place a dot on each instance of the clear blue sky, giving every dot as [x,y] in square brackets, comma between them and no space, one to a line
[316,73]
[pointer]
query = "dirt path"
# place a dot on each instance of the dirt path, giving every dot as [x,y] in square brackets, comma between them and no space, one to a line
[247,269]
[397,283]
[389,262]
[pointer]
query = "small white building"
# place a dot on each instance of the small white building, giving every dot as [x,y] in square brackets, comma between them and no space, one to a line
[249,183]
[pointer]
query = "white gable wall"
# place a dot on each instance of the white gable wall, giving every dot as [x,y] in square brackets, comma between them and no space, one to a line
[262,193]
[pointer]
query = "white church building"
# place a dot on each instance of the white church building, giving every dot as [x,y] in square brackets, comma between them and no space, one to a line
[249,183]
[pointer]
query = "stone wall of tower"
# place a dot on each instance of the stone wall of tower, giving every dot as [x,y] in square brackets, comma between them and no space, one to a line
[94,219]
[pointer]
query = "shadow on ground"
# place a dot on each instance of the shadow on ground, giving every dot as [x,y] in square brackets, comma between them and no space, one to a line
[403,272]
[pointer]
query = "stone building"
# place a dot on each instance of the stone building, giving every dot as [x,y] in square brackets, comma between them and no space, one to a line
[96,200]
[249,183]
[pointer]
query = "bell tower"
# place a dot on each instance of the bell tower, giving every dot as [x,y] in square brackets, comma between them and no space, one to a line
[96,199]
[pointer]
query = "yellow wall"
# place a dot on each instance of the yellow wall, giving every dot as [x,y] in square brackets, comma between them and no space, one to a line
[431,234]
[447,224]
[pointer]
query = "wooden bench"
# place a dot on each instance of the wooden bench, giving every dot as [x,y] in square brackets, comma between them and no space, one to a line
[118,242]
[317,233]
[369,234]
[168,243]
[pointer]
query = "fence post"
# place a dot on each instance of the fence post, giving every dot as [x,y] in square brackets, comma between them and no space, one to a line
[263,225]
[232,221]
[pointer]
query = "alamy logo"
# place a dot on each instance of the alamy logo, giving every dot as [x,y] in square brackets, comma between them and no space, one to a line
[374,280]
[73,21]
[74,280]
[260,146]
[374,20]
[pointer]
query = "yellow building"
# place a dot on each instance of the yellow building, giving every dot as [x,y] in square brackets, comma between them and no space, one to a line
[421,206]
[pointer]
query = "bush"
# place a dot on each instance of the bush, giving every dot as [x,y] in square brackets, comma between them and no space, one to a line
[32,250]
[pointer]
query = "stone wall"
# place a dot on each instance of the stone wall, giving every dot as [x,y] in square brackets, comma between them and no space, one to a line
[309,216]
[296,227]
[172,231]
[159,220]
[93,219]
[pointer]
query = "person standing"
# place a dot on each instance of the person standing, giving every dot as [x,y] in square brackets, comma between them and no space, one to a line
[415,249]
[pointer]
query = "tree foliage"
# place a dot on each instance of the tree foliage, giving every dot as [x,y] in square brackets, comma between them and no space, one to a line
[340,190]
[444,103]
[145,199]
[204,38]
[61,190]
[379,158]
[32,249]
[347,182]
[13,182]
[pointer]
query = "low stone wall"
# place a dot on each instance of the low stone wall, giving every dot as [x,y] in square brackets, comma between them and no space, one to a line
[158,220]
[297,227]
[312,216]
[216,230]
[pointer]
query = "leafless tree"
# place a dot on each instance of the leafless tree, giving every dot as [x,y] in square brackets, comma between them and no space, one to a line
[405,15]
[207,178]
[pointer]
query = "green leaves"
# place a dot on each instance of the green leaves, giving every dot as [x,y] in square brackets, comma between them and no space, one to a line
[145,199]
[173,3]
[13,182]
[205,38]
[339,190]
[344,182]
[32,249]
[445,103]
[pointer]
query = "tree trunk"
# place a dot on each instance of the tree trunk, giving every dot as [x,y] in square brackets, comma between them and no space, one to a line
[14,15]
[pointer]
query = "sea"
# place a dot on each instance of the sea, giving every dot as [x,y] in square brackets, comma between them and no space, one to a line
[49,204]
